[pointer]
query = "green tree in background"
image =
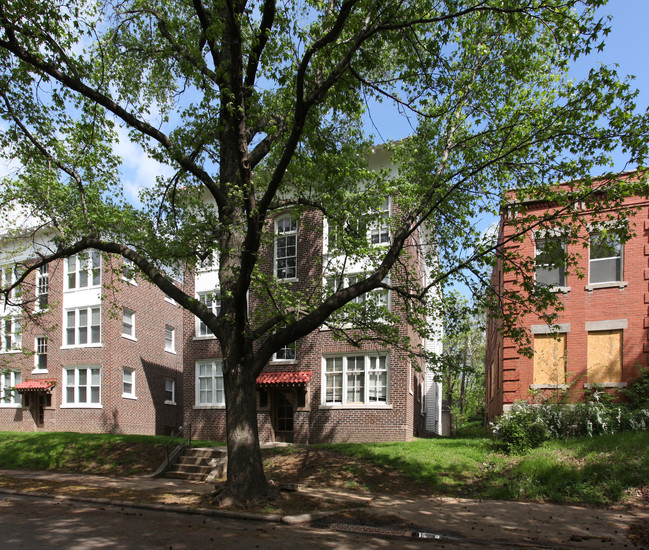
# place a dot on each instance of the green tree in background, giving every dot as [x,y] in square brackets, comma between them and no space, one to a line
[254,107]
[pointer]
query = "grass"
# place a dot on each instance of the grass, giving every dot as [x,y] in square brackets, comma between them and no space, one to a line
[115,454]
[602,470]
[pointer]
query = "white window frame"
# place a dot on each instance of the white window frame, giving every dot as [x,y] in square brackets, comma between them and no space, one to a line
[382,296]
[89,314]
[128,378]
[209,378]
[212,299]
[40,350]
[620,279]
[538,250]
[42,287]
[129,272]
[128,324]
[170,343]
[379,233]
[10,379]
[8,276]
[86,264]
[280,356]
[373,394]
[282,234]
[171,401]
[11,338]
[82,391]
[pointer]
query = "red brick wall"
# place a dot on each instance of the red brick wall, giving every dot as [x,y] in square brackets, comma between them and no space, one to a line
[581,306]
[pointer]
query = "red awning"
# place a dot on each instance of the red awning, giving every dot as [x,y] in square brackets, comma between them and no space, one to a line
[285,378]
[35,385]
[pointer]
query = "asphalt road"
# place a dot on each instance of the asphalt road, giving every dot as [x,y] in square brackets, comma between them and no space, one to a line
[40,524]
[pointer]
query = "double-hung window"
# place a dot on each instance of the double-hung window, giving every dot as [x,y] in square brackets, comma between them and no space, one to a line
[606,253]
[8,276]
[380,228]
[286,353]
[211,301]
[128,324]
[83,270]
[8,396]
[83,327]
[170,339]
[286,248]
[82,386]
[11,333]
[550,262]
[40,353]
[170,391]
[356,379]
[42,287]
[209,383]
[128,383]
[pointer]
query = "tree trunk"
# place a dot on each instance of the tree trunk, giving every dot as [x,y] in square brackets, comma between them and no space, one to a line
[246,481]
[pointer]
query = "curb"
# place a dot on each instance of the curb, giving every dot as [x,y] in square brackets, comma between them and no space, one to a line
[271,518]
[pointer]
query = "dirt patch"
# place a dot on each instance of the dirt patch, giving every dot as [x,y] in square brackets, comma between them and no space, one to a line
[325,468]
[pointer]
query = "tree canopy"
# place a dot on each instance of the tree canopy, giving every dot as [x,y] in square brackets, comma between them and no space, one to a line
[256,107]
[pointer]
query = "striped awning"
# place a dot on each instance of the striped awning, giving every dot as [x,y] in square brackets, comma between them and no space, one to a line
[35,386]
[284,378]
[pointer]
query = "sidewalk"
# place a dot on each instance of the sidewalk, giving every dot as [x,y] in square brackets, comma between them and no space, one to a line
[493,523]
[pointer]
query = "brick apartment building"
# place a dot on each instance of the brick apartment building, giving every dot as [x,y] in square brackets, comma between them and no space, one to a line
[601,337]
[94,350]
[317,389]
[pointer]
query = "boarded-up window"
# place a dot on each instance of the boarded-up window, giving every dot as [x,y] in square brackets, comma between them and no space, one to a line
[549,359]
[605,356]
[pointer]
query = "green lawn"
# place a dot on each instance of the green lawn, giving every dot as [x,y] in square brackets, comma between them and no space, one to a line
[599,471]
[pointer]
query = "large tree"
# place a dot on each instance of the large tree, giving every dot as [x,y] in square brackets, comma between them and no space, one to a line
[257,106]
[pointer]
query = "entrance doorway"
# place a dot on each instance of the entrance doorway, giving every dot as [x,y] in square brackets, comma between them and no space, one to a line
[282,415]
[37,403]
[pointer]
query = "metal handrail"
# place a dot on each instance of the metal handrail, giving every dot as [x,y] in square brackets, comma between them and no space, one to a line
[186,442]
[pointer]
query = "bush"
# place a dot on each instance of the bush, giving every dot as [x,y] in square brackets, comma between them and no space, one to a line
[526,426]
[637,392]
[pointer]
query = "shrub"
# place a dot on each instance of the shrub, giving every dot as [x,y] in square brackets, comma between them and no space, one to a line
[637,392]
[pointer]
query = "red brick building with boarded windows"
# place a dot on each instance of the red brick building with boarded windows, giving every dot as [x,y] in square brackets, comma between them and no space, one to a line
[92,352]
[601,337]
[317,389]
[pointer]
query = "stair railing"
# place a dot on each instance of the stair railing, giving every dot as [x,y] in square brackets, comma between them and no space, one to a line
[186,442]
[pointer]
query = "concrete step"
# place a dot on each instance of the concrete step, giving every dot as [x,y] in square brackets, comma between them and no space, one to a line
[192,468]
[186,475]
[200,464]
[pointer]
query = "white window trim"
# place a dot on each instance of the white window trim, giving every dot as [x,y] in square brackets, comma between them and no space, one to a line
[128,272]
[173,391]
[171,349]
[15,400]
[89,326]
[131,395]
[129,336]
[88,268]
[278,235]
[76,404]
[214,404]
[40,277]
[366,404]
[216,307]
[605,284]
[292,345]
[15,334]
[37,370]
[542,236]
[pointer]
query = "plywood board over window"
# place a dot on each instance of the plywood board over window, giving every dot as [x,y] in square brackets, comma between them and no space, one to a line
[604,356]
[549,359]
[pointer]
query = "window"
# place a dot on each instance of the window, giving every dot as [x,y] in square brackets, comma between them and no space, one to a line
[128,324]
[170,391]
[128,383]
[550,262]
[380,229]
[170,339]
[210,301]
[11,330]
[83,327]
[9,397]
[83,270]
[549,359]
[356,380]
[209,383]
[82,386]
[286,248]
[604,363]
[8,276]
[286,353]
[379,297]
[42,287]
[128,271]
[40,353]
[605,258]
